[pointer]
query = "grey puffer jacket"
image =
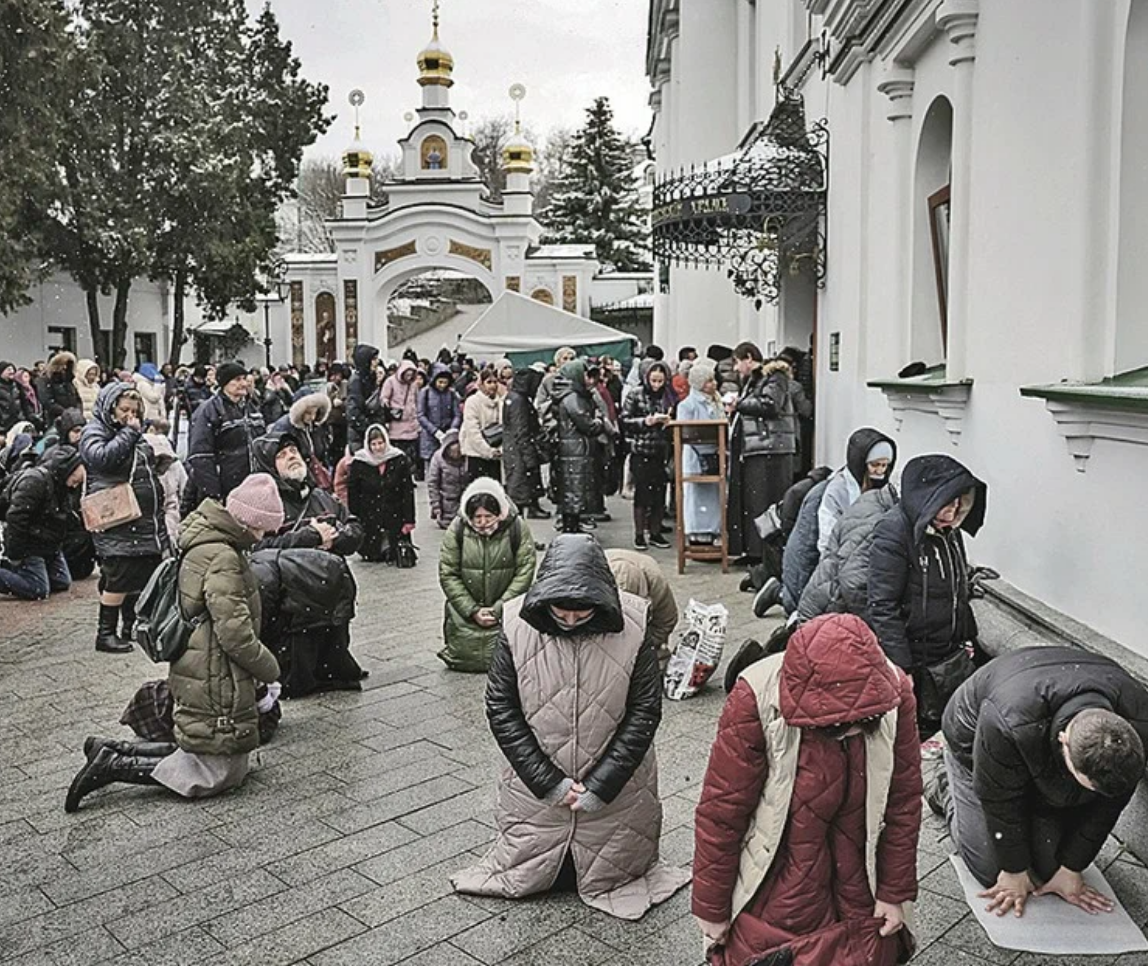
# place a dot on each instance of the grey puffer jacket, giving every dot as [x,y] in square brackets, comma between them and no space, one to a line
[115,454]
[800,557]
[840,584]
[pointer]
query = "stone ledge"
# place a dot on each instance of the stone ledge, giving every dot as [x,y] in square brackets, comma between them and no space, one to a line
[1009,618]
[930,393]
[1114,410]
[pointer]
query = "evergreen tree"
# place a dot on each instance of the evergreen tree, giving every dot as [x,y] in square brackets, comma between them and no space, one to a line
[596,197]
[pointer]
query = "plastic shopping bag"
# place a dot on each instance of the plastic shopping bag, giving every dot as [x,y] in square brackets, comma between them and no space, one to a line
[699,650]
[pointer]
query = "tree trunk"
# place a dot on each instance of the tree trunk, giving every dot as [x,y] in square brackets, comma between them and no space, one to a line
[120,324]
[93,299]
[177,318]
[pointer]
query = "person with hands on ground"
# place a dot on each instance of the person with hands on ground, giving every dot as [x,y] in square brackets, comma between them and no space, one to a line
[1044,749]
[806,830]
[574,700]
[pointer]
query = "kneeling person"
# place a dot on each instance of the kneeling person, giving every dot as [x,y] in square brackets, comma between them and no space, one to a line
[1045,748]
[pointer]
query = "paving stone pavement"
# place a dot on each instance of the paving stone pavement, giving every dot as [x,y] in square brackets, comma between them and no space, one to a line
[338,848]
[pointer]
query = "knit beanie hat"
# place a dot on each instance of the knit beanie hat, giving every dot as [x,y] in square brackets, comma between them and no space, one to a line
[228,371]
[256,503]
[700,374]
[882,450]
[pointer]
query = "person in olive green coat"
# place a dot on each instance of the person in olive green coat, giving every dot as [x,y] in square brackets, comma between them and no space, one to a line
[213,681]
[487,558]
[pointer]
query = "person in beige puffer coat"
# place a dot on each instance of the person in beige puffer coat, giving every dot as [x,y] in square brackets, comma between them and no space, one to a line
[574,700]
[87,383]
[214,680]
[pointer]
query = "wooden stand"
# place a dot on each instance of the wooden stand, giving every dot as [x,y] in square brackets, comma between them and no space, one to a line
[714,432]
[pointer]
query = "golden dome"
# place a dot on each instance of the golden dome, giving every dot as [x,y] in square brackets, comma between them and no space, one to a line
[518,153]
[357,160]
[435,63]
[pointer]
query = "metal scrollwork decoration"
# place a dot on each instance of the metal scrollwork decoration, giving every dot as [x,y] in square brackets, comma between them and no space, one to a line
[759,212]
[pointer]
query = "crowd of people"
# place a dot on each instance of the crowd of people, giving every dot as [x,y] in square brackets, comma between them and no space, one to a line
[872,696]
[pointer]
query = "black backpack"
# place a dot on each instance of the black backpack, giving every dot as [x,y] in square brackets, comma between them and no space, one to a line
[161,629]
[515,536]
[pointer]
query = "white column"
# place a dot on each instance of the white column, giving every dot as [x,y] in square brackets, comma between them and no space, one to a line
[958,18]
[898,88]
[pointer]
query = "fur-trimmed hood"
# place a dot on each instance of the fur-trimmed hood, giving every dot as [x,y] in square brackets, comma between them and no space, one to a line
[317,402]
[61,364]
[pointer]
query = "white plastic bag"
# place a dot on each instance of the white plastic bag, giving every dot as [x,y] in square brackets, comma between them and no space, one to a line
[699,650]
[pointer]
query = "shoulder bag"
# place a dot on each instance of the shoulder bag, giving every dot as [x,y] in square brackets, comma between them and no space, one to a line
[112,507]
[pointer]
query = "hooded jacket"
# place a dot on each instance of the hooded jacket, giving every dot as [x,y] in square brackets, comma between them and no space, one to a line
[846,484]
[478,413]
[446,479]
[219,444]
[56,388]
[150,386]
[583,705]
[38,507]
[766,424]
[477,571]
[173,477]
[521,431]
[918,575]
[1003,725]
[400,393]
[797,833]
[362,387]
[303,502]
[643,401]
[311,437]
[11,405]
[87,383]
[579,426]
[638,574]
[438,411]
[381,492]
[800,557]
[115,454]
[213,681]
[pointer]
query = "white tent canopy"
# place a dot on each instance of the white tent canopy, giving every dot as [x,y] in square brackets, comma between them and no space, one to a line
[517,324]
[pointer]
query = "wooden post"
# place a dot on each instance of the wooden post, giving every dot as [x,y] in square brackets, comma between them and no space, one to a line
[719,429]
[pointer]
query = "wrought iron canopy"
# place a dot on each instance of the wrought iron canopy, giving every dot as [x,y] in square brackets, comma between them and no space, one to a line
[760,211]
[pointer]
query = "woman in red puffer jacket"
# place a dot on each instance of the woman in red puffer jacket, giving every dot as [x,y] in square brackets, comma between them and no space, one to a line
[787,867]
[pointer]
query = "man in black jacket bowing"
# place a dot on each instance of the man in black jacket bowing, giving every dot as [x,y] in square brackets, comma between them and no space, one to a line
[1045,747]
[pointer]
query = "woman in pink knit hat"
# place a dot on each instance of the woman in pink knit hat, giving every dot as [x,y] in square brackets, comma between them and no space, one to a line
[214,680]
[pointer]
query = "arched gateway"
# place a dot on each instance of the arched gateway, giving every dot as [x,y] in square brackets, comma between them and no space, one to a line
[435,217]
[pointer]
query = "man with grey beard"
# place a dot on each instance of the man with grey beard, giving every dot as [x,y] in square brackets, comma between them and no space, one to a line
[313,518]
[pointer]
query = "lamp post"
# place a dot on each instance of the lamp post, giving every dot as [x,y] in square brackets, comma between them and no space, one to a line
[267,299]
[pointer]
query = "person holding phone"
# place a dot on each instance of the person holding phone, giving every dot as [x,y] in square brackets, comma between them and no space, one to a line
[646,413]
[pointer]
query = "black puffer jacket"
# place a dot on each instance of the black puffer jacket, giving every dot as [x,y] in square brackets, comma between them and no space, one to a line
[116,454]
[303,502]
[362,387]
[767,422]
[56,387]
[37,506]
[575,573]
[302,590]
[579,426]
[918,575]
[521,457]
[642,402]
[219,445]
[11,403]
[1003,724]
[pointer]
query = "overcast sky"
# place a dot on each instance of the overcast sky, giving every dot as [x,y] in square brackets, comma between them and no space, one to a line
[566,52]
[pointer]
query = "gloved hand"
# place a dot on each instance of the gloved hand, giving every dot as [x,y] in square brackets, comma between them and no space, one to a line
[439,435]
[408,529]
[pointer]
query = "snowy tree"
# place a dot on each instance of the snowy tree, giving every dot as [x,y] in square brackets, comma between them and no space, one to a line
[319,192]
[596,197]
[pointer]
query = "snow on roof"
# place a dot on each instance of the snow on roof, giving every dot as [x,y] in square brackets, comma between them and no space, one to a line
[562,251]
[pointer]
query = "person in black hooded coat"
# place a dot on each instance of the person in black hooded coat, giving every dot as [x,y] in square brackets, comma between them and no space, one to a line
[919,601]
[521,456]
[574,476]
[363,384]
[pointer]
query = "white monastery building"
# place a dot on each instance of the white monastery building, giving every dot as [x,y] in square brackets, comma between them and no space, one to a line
[957,183]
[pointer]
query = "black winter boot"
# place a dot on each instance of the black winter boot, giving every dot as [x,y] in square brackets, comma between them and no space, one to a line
[769,596]
[128,619]
[149,749]
[106,639]
[106,768]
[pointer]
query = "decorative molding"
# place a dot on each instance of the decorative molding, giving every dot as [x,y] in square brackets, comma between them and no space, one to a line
[1082,423]
[480,255]
[514,283]
[388,255]
[543,295]
[326,327]
[898,88]
[298,342]
[351,314]
[948,401]
[958,19]
[570,293]
[432,244]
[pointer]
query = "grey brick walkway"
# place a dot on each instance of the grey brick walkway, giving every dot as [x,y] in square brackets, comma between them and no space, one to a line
[337,850]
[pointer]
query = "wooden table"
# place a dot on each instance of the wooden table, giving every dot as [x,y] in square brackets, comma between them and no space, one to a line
[714,432]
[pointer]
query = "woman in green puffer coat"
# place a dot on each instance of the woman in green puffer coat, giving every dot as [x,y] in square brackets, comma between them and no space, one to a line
[213,681]
[487,558]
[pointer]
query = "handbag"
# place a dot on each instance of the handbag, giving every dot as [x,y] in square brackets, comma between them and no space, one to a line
[936,683]
[492,435]
[112,507]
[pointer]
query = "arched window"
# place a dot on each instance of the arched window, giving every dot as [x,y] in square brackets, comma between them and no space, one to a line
[1131,276]
[433,153]
[930,221]
[543,295]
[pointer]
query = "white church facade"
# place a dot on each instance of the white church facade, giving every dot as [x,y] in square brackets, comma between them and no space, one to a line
[984,212]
